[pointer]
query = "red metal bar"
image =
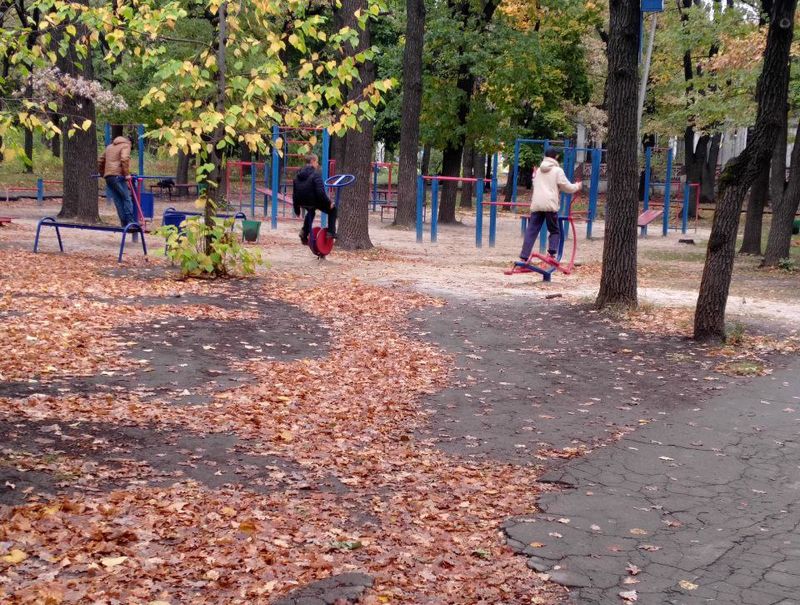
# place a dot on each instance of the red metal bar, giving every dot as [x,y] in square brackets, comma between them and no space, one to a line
[454,178]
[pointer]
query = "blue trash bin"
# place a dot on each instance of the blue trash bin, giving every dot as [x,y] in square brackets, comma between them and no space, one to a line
[148,203]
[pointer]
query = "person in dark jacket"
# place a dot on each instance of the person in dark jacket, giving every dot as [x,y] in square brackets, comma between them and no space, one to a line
[309,192]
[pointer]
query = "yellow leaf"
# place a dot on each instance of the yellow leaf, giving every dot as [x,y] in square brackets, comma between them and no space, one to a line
[86,124]
[113,561]
[687,585]
[15,556]
[286,436]
[228,511]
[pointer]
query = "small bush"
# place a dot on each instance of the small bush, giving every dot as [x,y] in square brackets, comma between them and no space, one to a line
[224,255]
[788,264]
[735,335]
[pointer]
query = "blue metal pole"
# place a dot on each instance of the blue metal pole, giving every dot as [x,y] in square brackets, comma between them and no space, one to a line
[140,133]
[107,135]
[434,209]
[267,172]
[479,214]
[253,168]
[493,200]
[594,190]
[374,185]
[667,194]
[648,158]
[40,191]
[687,190]
[420,202]
[516,172]
[276,133]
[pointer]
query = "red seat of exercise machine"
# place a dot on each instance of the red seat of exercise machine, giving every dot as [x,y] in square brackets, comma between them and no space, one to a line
[324,242]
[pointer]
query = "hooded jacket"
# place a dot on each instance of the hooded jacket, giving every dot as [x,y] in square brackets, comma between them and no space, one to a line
[116,159]
[548,182]
[308,191]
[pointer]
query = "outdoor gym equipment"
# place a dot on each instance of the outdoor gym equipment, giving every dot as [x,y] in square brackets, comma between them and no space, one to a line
[49,221]
[480,185]
[551,265]
[570,160]
[319,241]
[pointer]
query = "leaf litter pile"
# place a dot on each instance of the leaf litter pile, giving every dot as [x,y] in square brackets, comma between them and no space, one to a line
[349,487]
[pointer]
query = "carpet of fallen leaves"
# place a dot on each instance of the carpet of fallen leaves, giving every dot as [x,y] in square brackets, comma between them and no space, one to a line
[424,524]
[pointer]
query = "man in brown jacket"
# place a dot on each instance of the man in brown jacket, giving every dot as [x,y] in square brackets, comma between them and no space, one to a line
[114,164]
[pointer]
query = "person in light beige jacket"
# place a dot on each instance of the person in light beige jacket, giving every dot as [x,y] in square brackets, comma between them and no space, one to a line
[548,183]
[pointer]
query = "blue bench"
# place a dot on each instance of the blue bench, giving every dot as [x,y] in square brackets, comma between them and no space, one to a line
[49,221]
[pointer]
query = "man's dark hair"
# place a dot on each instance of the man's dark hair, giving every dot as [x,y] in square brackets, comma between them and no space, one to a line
[551,152]
[311,158]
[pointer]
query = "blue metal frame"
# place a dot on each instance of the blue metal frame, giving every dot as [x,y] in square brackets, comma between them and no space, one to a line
[276,133]
[493,200]
[479,213]
[420,204]
[667,195]
[49,221]
[434,210]
[648,159]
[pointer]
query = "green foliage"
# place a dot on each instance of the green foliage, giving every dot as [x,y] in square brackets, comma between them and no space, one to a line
[789,265]
[208,251]
[720,94]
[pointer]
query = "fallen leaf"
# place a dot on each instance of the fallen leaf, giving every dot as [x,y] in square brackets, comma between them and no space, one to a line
[15,556]
[632,569]
[113,561]
[687,585]
[629,595]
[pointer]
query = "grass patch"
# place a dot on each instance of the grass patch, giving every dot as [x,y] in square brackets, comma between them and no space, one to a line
[693,256]
[744,367]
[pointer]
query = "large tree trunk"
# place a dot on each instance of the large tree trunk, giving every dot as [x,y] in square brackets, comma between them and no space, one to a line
[353,227]
[708,174]
[448,190]
[759,192]
[406,214]
[469,171]
[28,148]
[779,241]
[80,199]
[618,279]
[425,165]
[777,177]
[772,92]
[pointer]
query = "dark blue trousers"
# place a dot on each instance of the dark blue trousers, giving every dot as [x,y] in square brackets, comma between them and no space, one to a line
[118,187]
[535,223]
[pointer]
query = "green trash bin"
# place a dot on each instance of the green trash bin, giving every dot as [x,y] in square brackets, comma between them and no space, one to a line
[250,230]
[796,227]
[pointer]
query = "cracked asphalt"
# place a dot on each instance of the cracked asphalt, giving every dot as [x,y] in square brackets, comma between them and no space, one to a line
[700,507]
[690,491]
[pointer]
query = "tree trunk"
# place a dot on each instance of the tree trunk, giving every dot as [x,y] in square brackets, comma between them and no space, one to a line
[80,199]
[772,92]
[182,173]
[406,213]
[708,175]
[28,148]
[425,166]
[55,140]
[777,177]
[353,227]
[448,190]
[779,241]
[751,243]
[469,170]
[618,279]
